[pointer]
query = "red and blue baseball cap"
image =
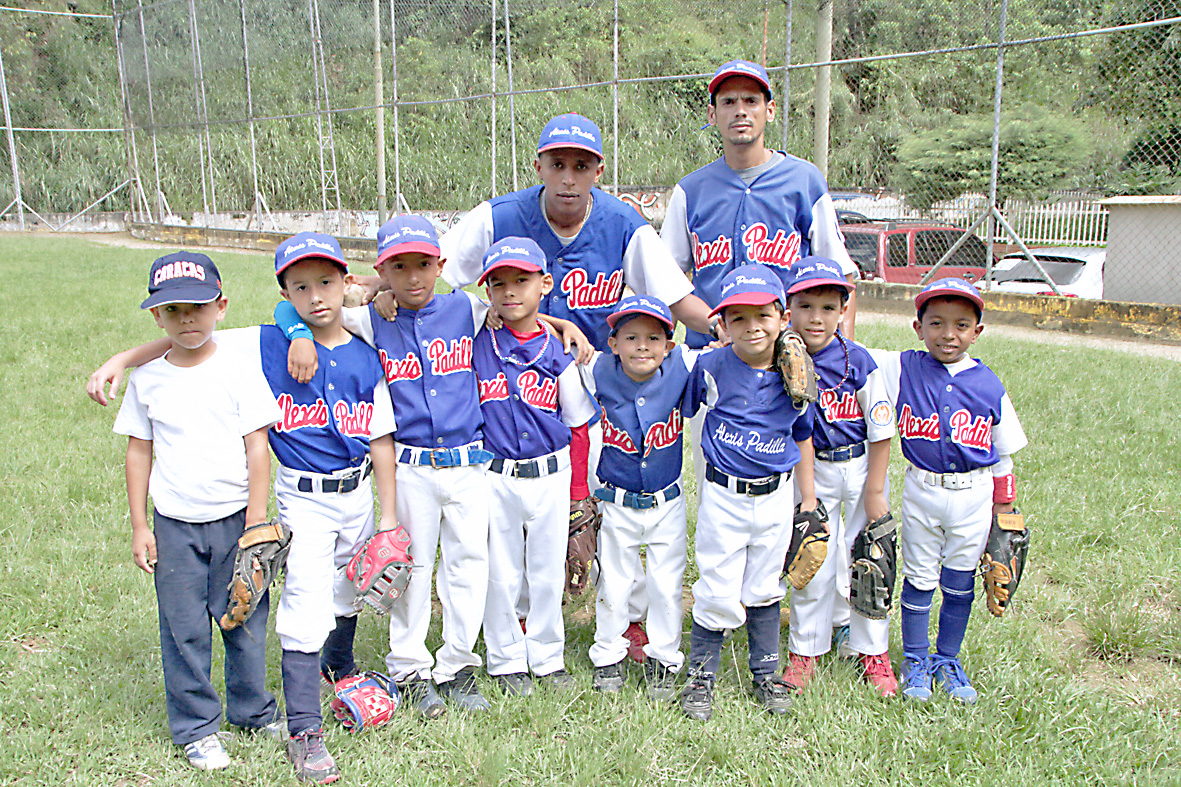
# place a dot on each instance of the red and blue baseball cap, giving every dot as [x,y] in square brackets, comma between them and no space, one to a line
[406,234]
[571,131]
[750,285]
[182,277]
[635,305]
[305,245]
[513,252]
[812,272]
[953,288]
[741,68]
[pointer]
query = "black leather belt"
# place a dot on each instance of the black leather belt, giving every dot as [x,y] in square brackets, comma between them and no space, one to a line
[751,488]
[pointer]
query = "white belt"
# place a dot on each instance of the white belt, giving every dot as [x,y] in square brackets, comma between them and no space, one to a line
[953,480]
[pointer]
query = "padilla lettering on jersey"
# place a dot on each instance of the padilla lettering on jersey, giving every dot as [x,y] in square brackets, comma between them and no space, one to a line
[840,420]
[780,251]
[450,359]
[603,292]
[663,434]
[840,407]
[946,421]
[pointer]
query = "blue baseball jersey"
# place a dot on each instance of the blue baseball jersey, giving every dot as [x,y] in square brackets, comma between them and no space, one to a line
[716,222]
[642,422]
[751,425]
[852,406]
[427,358]
[327,423]
[614,247]
[530,394]
[952,418]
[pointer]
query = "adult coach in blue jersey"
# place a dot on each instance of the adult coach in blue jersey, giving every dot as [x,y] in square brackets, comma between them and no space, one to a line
[594,242]
[753,205]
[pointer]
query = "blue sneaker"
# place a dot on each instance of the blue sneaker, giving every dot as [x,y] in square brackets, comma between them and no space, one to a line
[950,676]
[916,678]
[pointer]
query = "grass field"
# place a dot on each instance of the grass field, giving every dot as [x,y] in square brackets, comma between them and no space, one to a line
[1080,684]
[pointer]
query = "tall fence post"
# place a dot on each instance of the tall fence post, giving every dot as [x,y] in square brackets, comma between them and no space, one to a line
[492,49]
[195,52]
[996,137]
[379,118]
[512,98]
[785,99]
[399,200]
[16,178]
[823,86]
[143,37]
[250,119]
[615,100]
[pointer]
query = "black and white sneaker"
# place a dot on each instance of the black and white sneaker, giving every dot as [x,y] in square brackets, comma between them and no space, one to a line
[610,679]
[517,684]
[773,693]
[697,698]
[558,680]
[419,693]
[464,692]
[659,681]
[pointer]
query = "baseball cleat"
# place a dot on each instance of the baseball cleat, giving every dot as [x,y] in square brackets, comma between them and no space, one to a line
[419,693]
[773,693]
[558,680]
[517,684]
[660,681]
[697,698]
[207,754]
[463,691]
[610,679]
[916,678]
[309,755]
[636,638]
[799,671]
[950,676]
[879,674]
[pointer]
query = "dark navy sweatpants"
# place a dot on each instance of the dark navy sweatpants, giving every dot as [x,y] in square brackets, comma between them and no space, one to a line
[194,565]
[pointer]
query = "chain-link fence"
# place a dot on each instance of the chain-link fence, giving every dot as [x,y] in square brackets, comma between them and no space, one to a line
[234,113]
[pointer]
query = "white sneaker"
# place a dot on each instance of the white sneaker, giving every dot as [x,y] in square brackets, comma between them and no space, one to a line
[207,754]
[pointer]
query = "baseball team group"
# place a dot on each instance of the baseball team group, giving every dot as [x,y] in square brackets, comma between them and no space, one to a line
[497,431]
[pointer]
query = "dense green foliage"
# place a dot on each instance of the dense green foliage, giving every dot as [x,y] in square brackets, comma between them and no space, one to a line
[1121,93]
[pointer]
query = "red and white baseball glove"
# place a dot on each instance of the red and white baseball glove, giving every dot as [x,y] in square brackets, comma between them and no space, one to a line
[380,571]
[364,701]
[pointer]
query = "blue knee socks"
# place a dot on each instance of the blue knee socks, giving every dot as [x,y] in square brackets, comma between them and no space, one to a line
[762,631]
[958,591]
[916,620]
[301,689]
[705,650]
[336,655]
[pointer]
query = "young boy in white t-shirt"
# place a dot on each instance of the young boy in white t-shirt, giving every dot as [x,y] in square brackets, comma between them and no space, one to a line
[202,412]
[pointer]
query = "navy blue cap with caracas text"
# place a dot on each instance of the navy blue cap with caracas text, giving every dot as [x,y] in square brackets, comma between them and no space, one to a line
[182,277]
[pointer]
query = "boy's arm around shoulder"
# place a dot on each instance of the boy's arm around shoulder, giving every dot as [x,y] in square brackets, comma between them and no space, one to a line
[113,369]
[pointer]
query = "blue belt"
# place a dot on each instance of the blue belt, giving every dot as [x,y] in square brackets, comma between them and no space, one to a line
[842,454]
[472,454]
[742,486]
[640,501]
[526,468]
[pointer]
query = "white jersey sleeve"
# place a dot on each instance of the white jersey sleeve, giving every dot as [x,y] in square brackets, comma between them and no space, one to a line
[889,373]
[357,321]
[383,421]
[587,373]
[132,419]
[573,399]
[479,312]
[1008,436]
[463,246]
[825,235]
[877,407]
[649,268]
[675,231]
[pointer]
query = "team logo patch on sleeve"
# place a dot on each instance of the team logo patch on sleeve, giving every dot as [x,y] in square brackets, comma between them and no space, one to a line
[880,413]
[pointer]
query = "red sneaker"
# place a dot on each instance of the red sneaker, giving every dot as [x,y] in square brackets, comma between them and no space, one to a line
[522,622]
[799,671]
[637,638]
[879,674]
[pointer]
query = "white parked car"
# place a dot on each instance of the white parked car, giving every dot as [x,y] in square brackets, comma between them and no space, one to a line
[1077,270]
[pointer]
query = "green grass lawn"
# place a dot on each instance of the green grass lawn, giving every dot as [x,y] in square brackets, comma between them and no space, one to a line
[1079,683]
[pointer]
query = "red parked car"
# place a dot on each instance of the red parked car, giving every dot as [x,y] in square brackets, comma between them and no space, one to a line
[903,251]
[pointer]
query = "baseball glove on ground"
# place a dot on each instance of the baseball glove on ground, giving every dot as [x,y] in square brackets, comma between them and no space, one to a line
[364,701]
[380,571]
[795,367]
[1004,559]
[580,548]
[872,574]
[262,553]
[809,546]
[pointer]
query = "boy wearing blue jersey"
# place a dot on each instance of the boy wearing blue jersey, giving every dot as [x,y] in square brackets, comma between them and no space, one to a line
[640,386]
[958,430]
[535,415]
[851,439]
[754,437]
